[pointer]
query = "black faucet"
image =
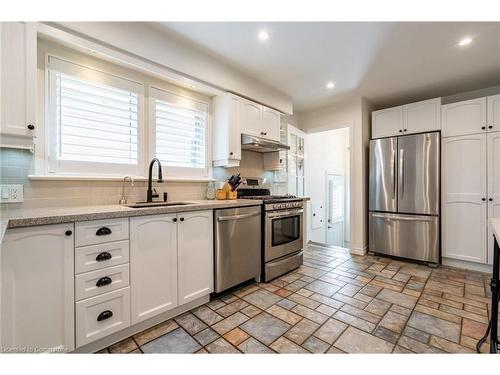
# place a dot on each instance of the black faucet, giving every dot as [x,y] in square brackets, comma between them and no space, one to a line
[150,179]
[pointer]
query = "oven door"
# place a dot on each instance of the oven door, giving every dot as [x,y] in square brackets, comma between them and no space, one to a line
[283,233]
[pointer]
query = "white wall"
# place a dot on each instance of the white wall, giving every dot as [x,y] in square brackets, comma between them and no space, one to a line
[326,152]
[159,46]
[355,113]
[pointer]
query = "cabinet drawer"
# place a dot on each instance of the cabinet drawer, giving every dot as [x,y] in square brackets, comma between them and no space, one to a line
[96,257]
[101,231]
[93,283]
[102,315]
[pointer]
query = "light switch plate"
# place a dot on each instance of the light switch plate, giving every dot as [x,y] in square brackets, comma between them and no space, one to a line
[11,193]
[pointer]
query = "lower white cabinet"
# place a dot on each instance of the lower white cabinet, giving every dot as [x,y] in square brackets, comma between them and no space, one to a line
[37,288]
[153,265]
[195,255]
[102,315]
[171,261]
[464,192]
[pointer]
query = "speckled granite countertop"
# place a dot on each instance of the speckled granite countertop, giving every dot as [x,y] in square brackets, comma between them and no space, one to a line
[18,218]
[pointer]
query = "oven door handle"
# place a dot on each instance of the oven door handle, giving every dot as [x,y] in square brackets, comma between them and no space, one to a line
[279,214]
[237,217]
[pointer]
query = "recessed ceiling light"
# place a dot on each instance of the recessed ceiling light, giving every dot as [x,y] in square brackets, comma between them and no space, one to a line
[465,41]
[330,85]
[263,35]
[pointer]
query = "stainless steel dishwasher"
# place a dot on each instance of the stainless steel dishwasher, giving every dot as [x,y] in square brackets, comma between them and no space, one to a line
[238,239]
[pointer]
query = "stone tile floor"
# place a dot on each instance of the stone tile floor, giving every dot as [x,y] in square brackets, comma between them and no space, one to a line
[335,303]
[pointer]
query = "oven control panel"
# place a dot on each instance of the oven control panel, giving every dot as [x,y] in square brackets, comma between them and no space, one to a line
[284,205]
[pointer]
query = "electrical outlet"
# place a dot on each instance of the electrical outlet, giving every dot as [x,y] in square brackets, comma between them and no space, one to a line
[12,193]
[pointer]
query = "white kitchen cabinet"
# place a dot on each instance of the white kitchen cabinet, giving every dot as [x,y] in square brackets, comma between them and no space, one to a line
[18,62]
[493,186]
[493,118]
[387,122]
[250,117]
[464,192]
[227,133]
[421,117]
[153,265]
[462,118]
[37,288]
[195,255]
[271,121]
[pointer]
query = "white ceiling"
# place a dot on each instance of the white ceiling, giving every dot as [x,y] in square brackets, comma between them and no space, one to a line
[386,62]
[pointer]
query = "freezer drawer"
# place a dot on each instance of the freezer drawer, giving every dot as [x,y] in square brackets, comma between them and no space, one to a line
[407,236]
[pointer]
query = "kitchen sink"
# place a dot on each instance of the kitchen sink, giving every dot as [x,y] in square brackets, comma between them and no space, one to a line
[157,204]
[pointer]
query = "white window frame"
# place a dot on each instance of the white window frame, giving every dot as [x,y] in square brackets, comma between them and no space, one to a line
[162,94]
[55,167]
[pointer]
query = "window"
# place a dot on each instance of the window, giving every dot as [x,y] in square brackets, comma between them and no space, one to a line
[95,122]
[179,133]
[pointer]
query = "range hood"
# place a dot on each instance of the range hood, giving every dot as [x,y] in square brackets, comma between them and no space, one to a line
[259,144]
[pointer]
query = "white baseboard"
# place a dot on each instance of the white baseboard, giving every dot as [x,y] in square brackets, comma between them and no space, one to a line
[486,268]
[356,250]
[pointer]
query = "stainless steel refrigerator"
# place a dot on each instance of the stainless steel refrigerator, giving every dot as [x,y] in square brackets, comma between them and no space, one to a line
[404,196]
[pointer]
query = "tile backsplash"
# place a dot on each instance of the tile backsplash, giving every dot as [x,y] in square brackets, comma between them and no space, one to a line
[16,165]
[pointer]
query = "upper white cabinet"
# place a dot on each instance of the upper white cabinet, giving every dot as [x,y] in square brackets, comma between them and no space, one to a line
[387,122]
[466,117]
[493,186]
[422,116]
[37,288]
[153,265]
[233,116]
[411,118]
[493,104]
[464,191]
[18,71]
[195,255]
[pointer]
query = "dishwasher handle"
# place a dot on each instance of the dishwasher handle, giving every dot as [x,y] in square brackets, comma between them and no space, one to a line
[238,217]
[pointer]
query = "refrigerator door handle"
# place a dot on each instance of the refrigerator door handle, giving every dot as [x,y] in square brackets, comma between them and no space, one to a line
[402,171]
[403,218]
[394,174]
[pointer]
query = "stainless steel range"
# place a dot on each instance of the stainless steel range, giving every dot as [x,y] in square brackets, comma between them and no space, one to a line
[283,227]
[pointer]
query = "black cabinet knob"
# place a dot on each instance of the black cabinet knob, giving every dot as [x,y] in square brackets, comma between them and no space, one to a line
[68,232]
[103,281]
[490,127]
[483,199]
[400,130]
[182,219]
[103,256]
[491,199]
[406,130]
[230,153]
[483,127]
[105,315]
[175,220]
[104,231]
[31,126]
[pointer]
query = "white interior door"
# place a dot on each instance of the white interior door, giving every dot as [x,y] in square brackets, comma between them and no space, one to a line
[336,210]
[464,188]
[493,186]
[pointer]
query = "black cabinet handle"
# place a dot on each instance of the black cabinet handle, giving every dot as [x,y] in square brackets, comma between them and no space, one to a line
[31,126]
[103,281]
[182,219]
[483,199]
[491,199]
[68,232]
[483,127]
[490,127]
[105,315]
[104,231]
[174,220]
[103,256]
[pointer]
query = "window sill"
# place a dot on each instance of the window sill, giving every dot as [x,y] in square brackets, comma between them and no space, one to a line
[37,177]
